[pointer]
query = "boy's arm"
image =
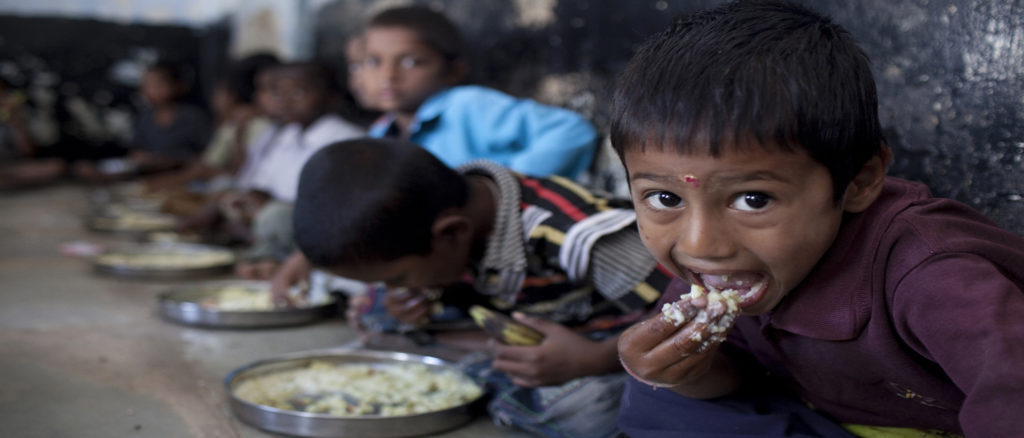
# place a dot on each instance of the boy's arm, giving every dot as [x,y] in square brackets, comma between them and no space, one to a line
[556,141]
[965,313]
[543,140]
[294,271]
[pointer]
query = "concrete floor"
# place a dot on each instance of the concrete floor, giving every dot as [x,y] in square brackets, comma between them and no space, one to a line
[82,355]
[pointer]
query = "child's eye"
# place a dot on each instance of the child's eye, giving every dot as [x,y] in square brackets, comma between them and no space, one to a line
[662,200]
[751,201]
[371,62]
[409,62]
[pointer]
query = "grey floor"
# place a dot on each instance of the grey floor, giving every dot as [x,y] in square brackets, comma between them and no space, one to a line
[83,355]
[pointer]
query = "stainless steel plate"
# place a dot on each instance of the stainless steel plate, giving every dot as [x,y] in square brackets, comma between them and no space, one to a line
[119,222]
[128,270]
[183,305]
[321,425]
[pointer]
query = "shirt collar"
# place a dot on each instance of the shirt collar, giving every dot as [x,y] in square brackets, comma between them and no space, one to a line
[505,250]
[429,110]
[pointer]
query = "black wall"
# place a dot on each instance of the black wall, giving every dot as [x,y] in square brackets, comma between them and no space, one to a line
[950,74]
[78,58]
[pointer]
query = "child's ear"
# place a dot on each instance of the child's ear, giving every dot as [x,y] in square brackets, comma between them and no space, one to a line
[457,71]
[450,228]
[867,184]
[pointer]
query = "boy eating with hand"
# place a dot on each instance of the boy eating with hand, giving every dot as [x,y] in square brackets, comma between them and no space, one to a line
[757,166]
[559,259]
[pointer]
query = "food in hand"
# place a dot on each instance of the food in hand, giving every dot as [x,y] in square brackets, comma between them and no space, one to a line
[714,309]
[505,329]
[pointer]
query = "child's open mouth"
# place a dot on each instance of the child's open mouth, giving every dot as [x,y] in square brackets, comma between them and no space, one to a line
[748,286]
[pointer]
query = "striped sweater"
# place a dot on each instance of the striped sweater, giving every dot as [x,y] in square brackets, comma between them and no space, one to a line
[559,252]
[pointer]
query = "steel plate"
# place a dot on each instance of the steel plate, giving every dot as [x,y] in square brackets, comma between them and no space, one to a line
[106,222]
[164,273]
[182,305]
[321,425]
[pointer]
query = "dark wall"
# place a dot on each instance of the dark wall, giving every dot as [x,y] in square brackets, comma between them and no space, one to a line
[950,74]
[95,60]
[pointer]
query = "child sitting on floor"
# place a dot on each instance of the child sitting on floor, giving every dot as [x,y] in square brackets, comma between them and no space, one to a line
[413,64]
[559,259]
[167,133]
[239,124]
[757,165]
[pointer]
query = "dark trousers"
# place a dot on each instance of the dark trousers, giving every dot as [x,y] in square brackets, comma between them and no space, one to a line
[646,412]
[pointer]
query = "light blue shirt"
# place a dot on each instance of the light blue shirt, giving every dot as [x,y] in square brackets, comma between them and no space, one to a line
[465,123]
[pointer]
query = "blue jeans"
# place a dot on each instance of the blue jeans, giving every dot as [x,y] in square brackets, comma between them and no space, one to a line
[583,407]
[660,413]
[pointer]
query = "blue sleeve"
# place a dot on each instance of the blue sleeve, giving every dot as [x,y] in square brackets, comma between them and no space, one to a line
[547,140]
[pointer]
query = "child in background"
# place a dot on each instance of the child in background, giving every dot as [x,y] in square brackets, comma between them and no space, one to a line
[167,132]
[239,124]
[559,259]
[20,160]
[755,156]
[413,62]
[308,93]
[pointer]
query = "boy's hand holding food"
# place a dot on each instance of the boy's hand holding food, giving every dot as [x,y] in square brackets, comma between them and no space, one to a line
[563,355]
[409,306]
[293,272]
[677,348]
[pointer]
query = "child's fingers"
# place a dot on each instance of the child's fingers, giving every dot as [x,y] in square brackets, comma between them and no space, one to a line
[695,334]
[646,335]
[511,365]
[522,372]
[514,353]
[679,372]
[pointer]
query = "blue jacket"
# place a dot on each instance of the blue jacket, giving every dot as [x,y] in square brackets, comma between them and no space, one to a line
[466,123]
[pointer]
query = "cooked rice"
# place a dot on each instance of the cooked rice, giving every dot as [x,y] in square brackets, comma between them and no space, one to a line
[361,389]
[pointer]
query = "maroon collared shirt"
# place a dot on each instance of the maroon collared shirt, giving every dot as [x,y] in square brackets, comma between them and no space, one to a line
[913,318]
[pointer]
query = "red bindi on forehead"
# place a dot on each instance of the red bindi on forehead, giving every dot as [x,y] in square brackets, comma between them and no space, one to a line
[691,180]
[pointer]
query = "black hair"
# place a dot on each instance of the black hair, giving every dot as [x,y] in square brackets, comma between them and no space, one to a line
[240,77]
[173,71]
[369,200]
[317,72]
[770,73]
[433,28]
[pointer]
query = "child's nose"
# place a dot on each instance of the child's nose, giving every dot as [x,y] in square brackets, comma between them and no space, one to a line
[705,236]
[391,71]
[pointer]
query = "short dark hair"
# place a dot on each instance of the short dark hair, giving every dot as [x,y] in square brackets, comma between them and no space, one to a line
[173,71]
[366,201]
[240,77]
[771,73]
[317,72]
[434,28]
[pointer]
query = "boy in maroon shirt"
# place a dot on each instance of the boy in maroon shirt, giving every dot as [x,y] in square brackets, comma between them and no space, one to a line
[757,166]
